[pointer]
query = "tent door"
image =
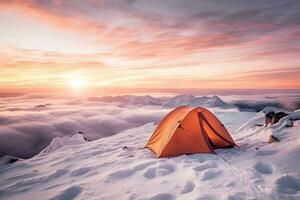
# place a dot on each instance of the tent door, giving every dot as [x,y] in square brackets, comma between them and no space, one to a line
[203,118]
[209,143]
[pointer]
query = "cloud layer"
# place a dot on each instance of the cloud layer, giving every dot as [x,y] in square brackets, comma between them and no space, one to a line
[28,123]
[27,126]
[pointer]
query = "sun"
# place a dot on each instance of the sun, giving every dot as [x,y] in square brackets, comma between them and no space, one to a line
[76,82]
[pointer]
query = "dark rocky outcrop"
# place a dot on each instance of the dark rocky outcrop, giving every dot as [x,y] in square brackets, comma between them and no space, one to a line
[273,118]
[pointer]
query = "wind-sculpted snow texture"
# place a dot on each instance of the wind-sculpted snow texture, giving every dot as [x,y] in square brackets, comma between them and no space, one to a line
[104,169]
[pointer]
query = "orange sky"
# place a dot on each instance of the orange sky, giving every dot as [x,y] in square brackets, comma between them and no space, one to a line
[84,45]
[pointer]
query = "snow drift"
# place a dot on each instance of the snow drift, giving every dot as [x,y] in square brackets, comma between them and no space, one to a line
[66,141]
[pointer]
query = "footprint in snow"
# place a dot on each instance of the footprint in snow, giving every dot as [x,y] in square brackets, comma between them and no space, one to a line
[124,173]
[144,165]
[205,166]
[210,174]
[266,152]
[161,170]
[162,196]
[81,171]
[120,174]
[194,158]
[58,173]
[24,176]
[238,196]
[132,196]
[288,184]
[189,187]
[69,193]
[231,184]
[206,197]
[263,168]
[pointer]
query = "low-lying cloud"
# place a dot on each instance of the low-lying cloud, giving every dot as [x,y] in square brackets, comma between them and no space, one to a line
[29,123]
[26,127]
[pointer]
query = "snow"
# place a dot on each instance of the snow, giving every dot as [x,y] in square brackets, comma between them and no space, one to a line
[275,110]
[58,142]
[191,100]
[179,100]
[7,159]
[104,169]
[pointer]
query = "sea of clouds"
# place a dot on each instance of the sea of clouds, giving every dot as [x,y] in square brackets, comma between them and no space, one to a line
[28,123]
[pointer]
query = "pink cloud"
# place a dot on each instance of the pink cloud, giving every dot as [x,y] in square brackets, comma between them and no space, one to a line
[141,31]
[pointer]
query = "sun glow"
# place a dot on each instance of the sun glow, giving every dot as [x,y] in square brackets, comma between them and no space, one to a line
[76,82]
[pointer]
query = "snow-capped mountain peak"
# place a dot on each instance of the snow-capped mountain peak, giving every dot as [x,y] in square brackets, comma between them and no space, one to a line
[179,100]
[191,100]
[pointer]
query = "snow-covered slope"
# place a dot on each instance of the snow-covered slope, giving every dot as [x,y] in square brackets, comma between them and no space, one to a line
[118,167]
[255,123]
[66,141]
[191,100]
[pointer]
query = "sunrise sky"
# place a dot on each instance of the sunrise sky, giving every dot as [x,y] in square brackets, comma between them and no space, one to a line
[79,45]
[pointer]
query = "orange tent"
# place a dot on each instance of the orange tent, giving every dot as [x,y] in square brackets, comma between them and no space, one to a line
[187,130]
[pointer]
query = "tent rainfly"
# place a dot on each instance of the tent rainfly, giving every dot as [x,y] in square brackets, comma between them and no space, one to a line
[187,130]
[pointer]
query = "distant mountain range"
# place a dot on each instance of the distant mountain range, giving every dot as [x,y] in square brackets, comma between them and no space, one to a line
[191,100]
[194,101]
[170,102]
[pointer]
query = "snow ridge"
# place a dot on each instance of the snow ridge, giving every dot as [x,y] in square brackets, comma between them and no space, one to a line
[191,100]
[179,100]
[58,142]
